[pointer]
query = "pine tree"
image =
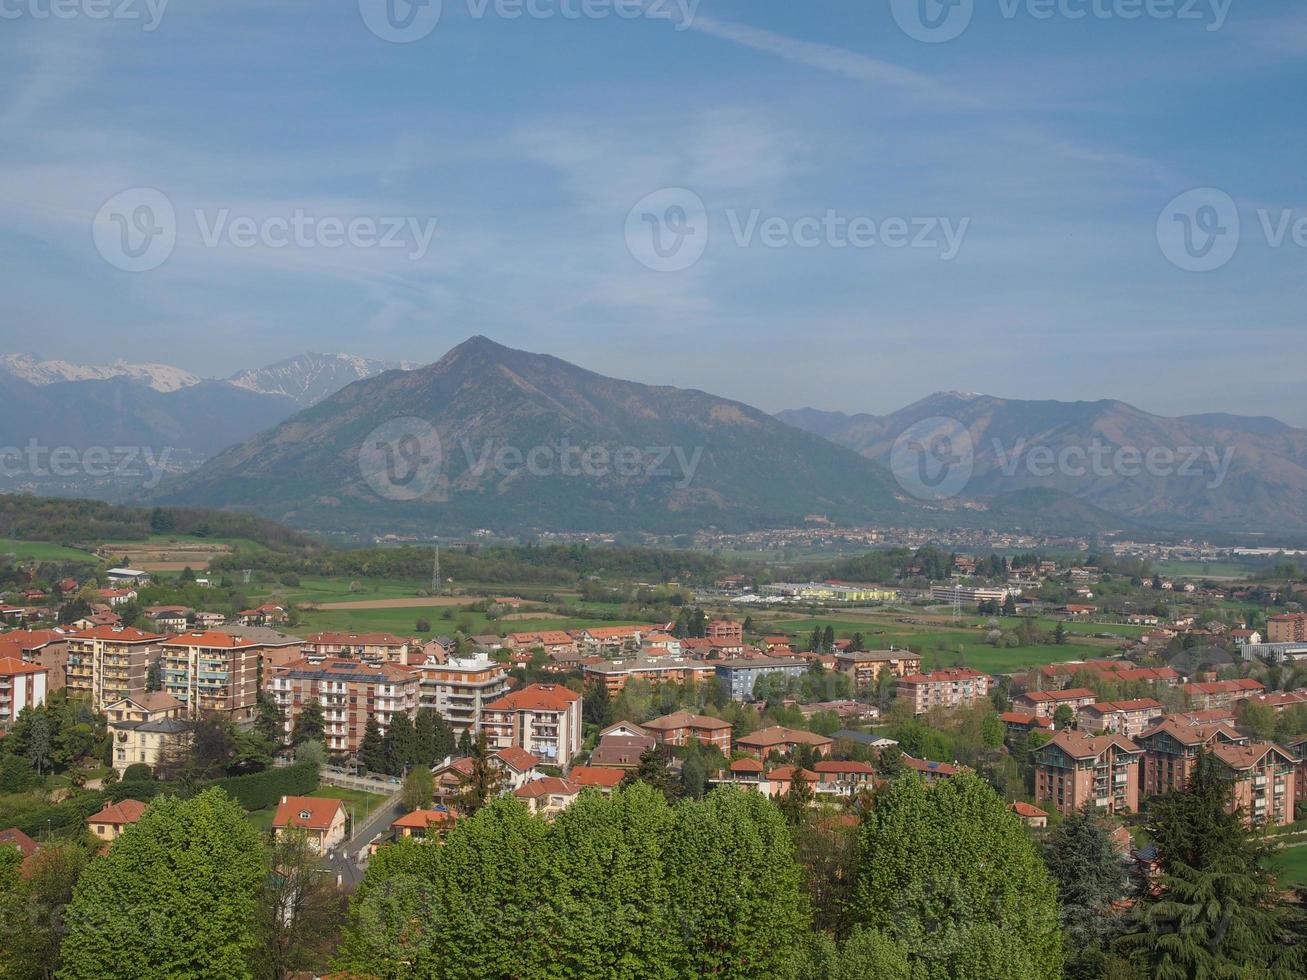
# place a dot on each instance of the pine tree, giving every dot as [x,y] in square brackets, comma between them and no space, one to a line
[828,639]
[435,739]
[1084,862]
[401,745]
[269,721]
[794,804]
[372,749]
[483,783]
[655,770]
[310,725]
[465,745]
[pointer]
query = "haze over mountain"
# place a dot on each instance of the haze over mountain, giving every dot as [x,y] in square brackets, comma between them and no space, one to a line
[309,378]
[1213,470]
[510,427]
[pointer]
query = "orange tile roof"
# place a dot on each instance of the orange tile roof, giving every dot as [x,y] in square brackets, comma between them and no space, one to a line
[598,776]
[787,773]
[780,735]
[26,846]
[536,697]
[746,765]
[849,766]
[421,819]
[345,639]
[1248,756]
[683,719]
[321,811]
[207,638]
[1078,745]
[13,666]
[519,759]
[1225,687]
[1026,810]
[546,786]
[120,813]
[123,634]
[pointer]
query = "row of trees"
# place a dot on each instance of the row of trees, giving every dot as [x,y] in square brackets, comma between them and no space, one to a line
[421,742]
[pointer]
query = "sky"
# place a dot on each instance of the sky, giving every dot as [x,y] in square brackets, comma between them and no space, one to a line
[840,205]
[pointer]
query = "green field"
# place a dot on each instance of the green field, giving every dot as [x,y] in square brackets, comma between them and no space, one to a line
[403,622]
[43,551]
[359,801]
[315,589]
[949,643]
[1290,866]
[1204,569]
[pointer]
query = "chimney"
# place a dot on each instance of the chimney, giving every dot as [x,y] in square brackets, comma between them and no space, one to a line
[283,799]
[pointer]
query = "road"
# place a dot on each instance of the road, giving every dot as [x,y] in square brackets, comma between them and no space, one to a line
[349,861]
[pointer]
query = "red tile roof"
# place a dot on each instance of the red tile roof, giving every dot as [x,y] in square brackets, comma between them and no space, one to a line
[536,697]
[123,634]
[421,819]
[780,735]
[26,846]
[516,758]
[598,776]
[12,667]
[119,814]
[683,719]
[746,765]
[321,812]
[207,638]
[1026,810]
[546,786]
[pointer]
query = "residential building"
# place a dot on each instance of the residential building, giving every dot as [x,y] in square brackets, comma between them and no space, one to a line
[866,666]
[422,824]
[358,646]
[682,727]
[1262,781]
[621,751]
[323,821]
[601,778]
[610,641]
[109,824]
[1287,628]
[517,765]
[147,729]
[350,692]
[761,744]
[1020,723]
[929,770]
[1031,816]
[212,671]
[1171,750]
[22,685]
[968,596]
[741,675]
[548,795]
[952,688]
[1221,694]
[659,670]
[543,719]
[725,632]
[45,648]
[843,778]
[552,642]
[1044,704]
[461,688]
[269,614]
[1073,769]
[109,663]
[1129,718]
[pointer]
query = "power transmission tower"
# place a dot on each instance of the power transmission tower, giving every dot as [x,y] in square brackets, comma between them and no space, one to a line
[435,574]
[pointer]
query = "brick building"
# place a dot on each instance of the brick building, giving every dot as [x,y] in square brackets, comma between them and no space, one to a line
[212,671]
[1073,769]
[349,691]
[109,663]
[951,688]
[1171,749]
[682,727]
[543,719]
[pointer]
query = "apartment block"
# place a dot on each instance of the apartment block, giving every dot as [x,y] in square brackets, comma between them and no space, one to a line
[1073,769]
[726,632]
[1262,781]
[866,666]
[22,685]
[614,674]
[951,688]
[357,646]
[1171,750]
[109,663]
[350,692]
[1221,694]
[45,648]
[543,719]
[682,727]
[1129,718]
[1287,628]
[212,671]
[741,675]
[1044,704]
[461,688]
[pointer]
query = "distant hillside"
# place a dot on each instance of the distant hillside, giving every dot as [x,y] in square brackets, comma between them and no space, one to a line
[663,459]
[85,523]
[309,378]
[1224,471]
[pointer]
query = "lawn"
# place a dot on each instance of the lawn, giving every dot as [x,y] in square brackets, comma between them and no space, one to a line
[319,589]
[43,551]
[1290,865]
[356,801]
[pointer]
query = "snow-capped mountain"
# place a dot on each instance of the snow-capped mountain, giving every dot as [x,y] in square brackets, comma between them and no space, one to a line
[309,378]
[160,377]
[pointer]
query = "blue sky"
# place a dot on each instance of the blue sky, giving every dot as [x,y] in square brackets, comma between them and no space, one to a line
[1053,143]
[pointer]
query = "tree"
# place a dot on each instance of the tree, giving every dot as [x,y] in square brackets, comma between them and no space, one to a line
[310,725]
[175,896]
[951,875]
[423,625]
[419,789]
[827,850]
[33,920]
[154,675]
[137,772]
[401,744]
[992,730]
[372,748]
[655,770]
[1063,716]
[298,911]
[1258,720]
[1087,868]
[465,743]
[38,741]
[1009,605]
[596,705]
[794,805]
[269,721]
[435,739]
[867,953]
[828,639]
[482,783]
[1059,633]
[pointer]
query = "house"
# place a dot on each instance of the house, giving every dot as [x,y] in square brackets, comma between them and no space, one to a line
[1221,694]
[779,780]
[761,744]
[117,597]
[1261,775]
[171,618]
[422,824]
[1246,637]
[518,765]
[843,778]
[1044,704]
[929,770]
[268,614]
[601,778]
[543,719]
[951,688]
[1073,769]
[109,823]
[552,642]
[621,751]
[1030,815]
[548,795]
[322,820]
[146,729]
[681,727]
[1021,723]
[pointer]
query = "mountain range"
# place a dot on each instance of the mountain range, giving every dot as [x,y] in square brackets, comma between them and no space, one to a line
[1215,471]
